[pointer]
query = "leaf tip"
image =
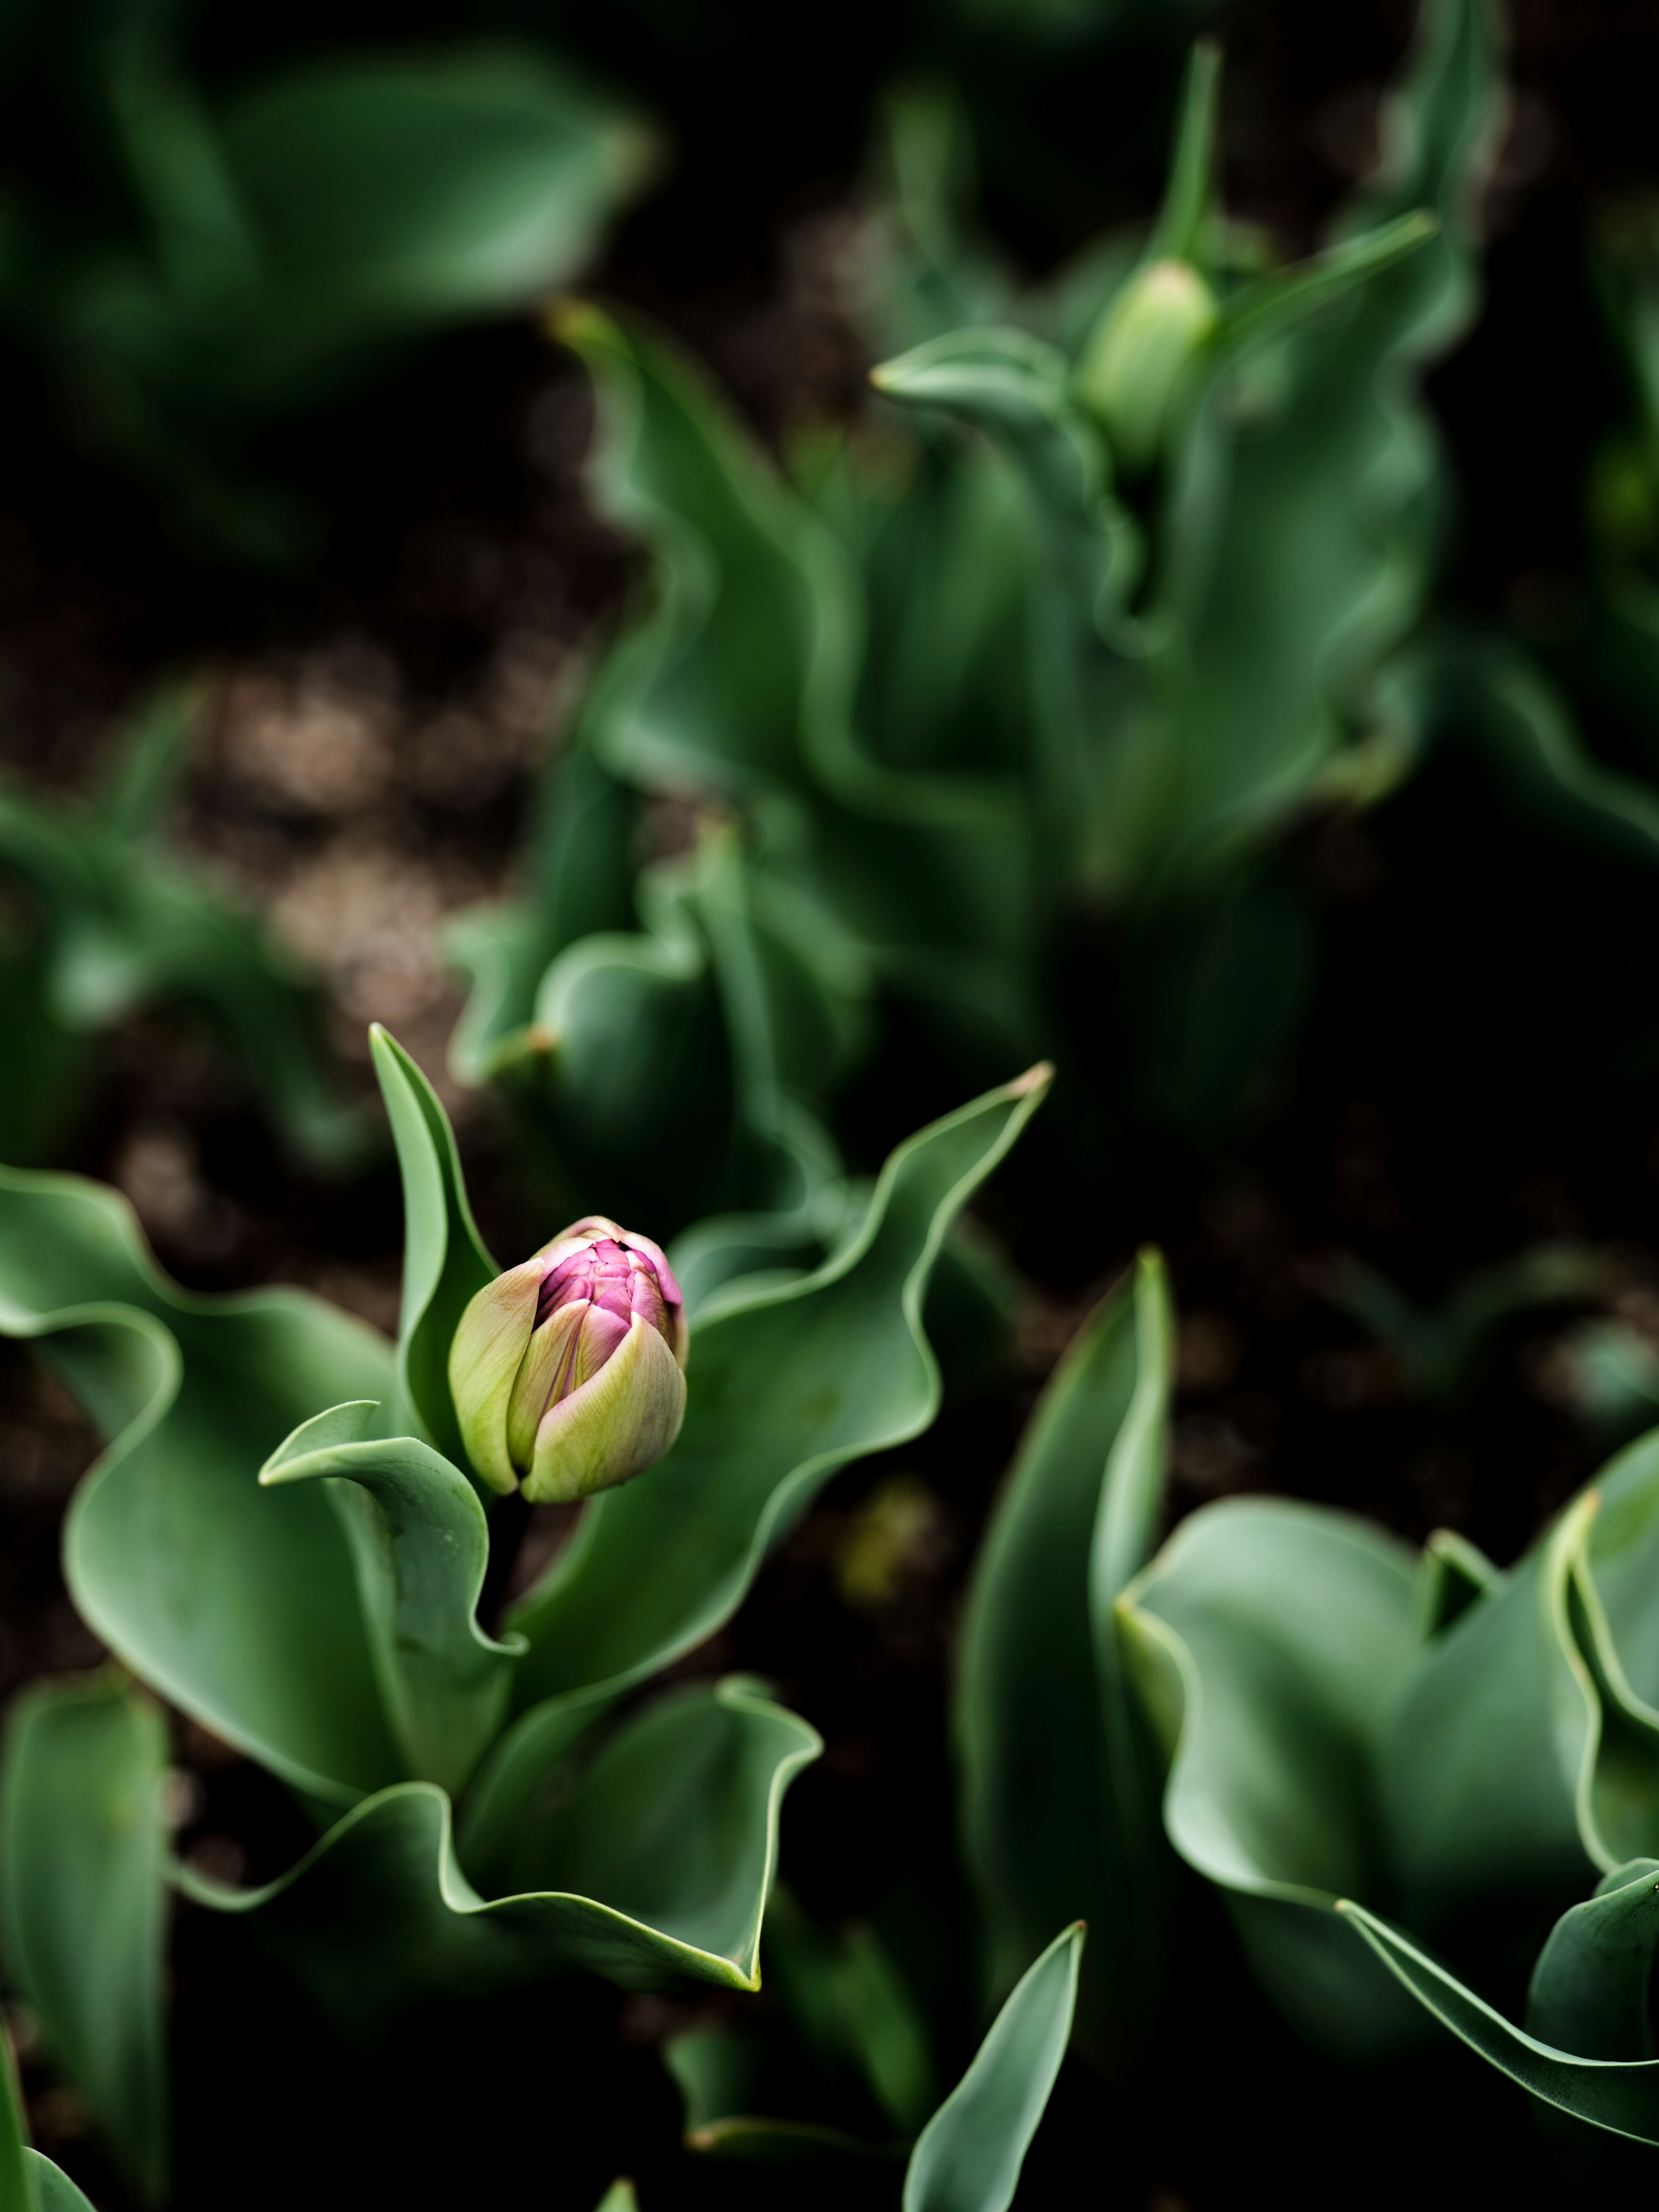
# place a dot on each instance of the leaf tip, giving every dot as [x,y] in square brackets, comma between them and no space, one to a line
[1035,1081]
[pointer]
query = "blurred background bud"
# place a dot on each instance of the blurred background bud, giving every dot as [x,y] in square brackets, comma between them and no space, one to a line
[1140,349]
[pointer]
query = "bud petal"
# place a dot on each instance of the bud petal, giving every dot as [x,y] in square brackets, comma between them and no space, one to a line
[484,1358]
[1140,348]
[621,1422]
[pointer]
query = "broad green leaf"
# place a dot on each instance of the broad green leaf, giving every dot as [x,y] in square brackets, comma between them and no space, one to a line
[619,2197]
[678,1056]
[1620,2095]
[653,1868]
[444,1262]
[1590,1994]
[1622,1539]
[1506,1772]
[1269,1642]
[1455,1573]
[420,1544]
[851,2006]
[82,1899]
[784,1385]
[426,187]
[578,857]
[707,689]
[53,2191]
[1299,532]
[1060,1796]
[238,1604]
[1292,1628]
[967,2157]
[1275,301]
[738,681]
[1590,1988]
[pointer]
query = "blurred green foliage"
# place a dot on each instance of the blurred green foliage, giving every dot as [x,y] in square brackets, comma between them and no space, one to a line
[203,263]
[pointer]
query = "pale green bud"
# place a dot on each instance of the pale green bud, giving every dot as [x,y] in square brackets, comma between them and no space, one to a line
[1137,353]
[568,1370]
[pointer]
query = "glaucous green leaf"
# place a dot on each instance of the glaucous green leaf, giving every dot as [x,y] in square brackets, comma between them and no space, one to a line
[398,188]
[969,2156]
[1493,1745]
[1269,1642]
[420,1544]
[444,1264]
[784,1385]
[238,1604]
[53,2191]
[1061,1793]
[83,1902]
[1619,2095]
[652,1868]
[1589,1989]
[1505,705]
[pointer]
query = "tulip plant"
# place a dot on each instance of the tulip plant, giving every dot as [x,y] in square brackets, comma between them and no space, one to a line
[286,1539]
[1407,1775]
[1119,583]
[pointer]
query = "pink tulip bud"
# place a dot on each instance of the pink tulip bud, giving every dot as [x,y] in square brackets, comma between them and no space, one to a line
[568,1370]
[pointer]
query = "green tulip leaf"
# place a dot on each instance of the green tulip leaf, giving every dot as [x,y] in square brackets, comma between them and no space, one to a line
[82,1900]
[1620,2096]
[397,190]
[579,858]
[1274,303]
[784,1385]
[237,1604]
[1291,1627]
[1492,1749]
[1507,706]
[654,1868]
[1060,1796]
[1269,1642]
[50,2188]
[850,2004]
[1590,1988]
[420,1544]
[969,2156]
[1300,530]
[445,1263]
[678,1056]
[1455,1574]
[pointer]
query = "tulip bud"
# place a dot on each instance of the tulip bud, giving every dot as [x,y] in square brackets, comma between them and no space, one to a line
[566,1372]
[1140,348]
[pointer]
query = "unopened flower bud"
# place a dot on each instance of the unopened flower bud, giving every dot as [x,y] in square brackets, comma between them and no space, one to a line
[567,1372]
[1138,352]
